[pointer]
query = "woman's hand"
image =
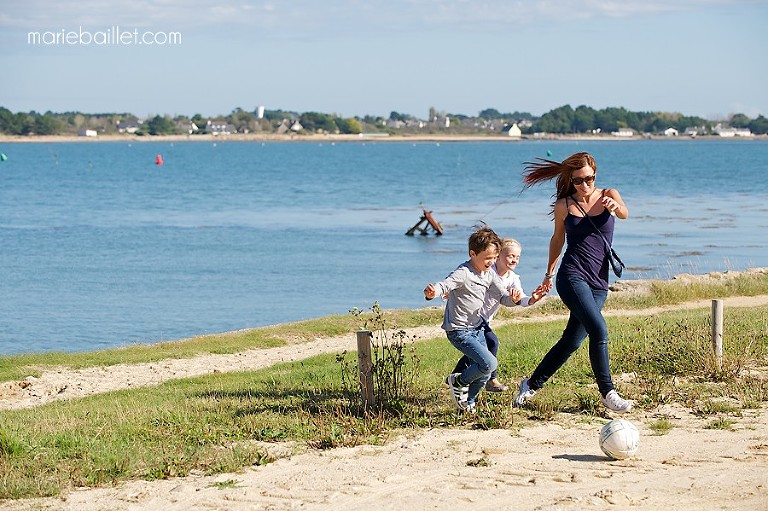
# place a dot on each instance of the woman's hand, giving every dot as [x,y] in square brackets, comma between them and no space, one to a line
[613,202]
[547,283]
[429,291]
[610,204]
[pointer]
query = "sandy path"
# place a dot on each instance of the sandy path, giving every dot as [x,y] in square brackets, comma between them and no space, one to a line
[549,467]
[54,385]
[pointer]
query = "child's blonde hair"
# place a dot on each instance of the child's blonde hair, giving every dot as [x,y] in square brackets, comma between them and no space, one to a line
[510,242]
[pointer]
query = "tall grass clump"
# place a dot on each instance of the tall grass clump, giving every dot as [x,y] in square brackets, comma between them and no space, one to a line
[395,364]
[672,358]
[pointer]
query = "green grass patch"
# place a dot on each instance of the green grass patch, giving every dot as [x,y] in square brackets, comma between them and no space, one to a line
[660,427]
[721,423]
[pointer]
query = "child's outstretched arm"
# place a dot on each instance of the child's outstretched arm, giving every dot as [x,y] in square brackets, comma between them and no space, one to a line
[537,294]
[456,279]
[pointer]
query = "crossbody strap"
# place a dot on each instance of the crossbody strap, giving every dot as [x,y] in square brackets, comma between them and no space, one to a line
[591,222]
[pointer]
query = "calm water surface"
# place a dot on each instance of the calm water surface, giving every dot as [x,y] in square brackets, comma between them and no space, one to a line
[102,248]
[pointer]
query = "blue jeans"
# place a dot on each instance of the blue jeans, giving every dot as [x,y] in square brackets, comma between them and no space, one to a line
[586,319]
[491,341]
[471,342]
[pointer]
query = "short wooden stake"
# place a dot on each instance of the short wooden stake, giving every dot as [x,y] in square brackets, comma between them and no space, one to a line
[365,366]
[717,332]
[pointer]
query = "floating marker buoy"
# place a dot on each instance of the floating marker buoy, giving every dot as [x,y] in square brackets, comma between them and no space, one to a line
[549,153]
[3,157]
[159,159]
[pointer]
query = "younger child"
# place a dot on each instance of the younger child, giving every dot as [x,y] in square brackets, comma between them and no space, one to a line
[467,287]
[505,264]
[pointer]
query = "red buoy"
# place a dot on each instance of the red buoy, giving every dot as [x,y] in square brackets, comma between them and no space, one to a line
[159,159]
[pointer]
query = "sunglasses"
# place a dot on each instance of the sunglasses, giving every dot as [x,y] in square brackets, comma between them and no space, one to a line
[580,180]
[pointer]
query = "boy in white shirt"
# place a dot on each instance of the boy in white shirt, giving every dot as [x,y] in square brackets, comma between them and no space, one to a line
[505,264]
[467,287]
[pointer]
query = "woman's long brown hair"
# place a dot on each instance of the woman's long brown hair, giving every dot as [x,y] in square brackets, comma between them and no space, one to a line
[544,170]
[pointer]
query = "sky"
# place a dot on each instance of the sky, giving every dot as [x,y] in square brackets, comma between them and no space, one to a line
[702,58]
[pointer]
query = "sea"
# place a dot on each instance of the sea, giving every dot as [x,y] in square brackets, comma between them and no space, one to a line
[103,248]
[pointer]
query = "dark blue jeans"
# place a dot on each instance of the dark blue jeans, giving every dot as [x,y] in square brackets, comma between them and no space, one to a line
[493,346]
[586,319]
[471,342]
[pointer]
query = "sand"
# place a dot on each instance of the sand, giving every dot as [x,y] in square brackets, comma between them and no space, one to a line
[548,467]
[555,465]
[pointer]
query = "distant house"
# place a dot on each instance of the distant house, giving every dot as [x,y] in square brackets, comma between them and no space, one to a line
[727,131]
[693,131]
[284,127]
[188,126]
[219,127]
[512,130]
[128,126]
[296,126]
[624,132]
[671,132]
[88,133]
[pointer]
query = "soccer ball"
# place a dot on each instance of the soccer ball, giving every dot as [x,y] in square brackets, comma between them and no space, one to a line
[619,439]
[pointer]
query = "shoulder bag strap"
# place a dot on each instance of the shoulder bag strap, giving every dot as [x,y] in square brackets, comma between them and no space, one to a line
[617,265]
[593,223]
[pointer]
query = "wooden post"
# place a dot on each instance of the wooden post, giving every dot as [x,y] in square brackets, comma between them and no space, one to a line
[717,332]
[365,366]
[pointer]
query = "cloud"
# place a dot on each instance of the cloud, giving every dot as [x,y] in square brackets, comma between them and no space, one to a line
[310,18]
[333,15]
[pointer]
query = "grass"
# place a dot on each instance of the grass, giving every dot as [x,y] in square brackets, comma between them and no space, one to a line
[218,423]
[673,292]
[660,426]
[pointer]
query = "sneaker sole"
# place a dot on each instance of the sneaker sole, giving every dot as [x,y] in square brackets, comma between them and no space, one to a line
[461,405]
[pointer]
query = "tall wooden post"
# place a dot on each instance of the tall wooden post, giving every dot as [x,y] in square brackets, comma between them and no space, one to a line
[365,366]
[717,332]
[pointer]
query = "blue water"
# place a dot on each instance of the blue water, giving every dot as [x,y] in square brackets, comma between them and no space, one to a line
[102,248]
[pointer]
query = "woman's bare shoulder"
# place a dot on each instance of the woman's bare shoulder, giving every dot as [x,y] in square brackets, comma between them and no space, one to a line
[561,208]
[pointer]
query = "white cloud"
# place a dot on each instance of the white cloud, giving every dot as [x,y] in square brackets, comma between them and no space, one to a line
[310,15]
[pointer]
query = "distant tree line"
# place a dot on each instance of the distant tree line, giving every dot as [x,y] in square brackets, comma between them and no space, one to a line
[561,120]
[584,119]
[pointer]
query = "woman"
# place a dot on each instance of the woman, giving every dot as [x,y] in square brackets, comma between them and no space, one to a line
[582,280]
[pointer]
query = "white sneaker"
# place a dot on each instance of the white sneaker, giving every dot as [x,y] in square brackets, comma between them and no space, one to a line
[613,401]
[525,394]
[459,393]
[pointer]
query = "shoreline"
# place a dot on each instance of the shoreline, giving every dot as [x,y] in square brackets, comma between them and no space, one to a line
[363,137]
